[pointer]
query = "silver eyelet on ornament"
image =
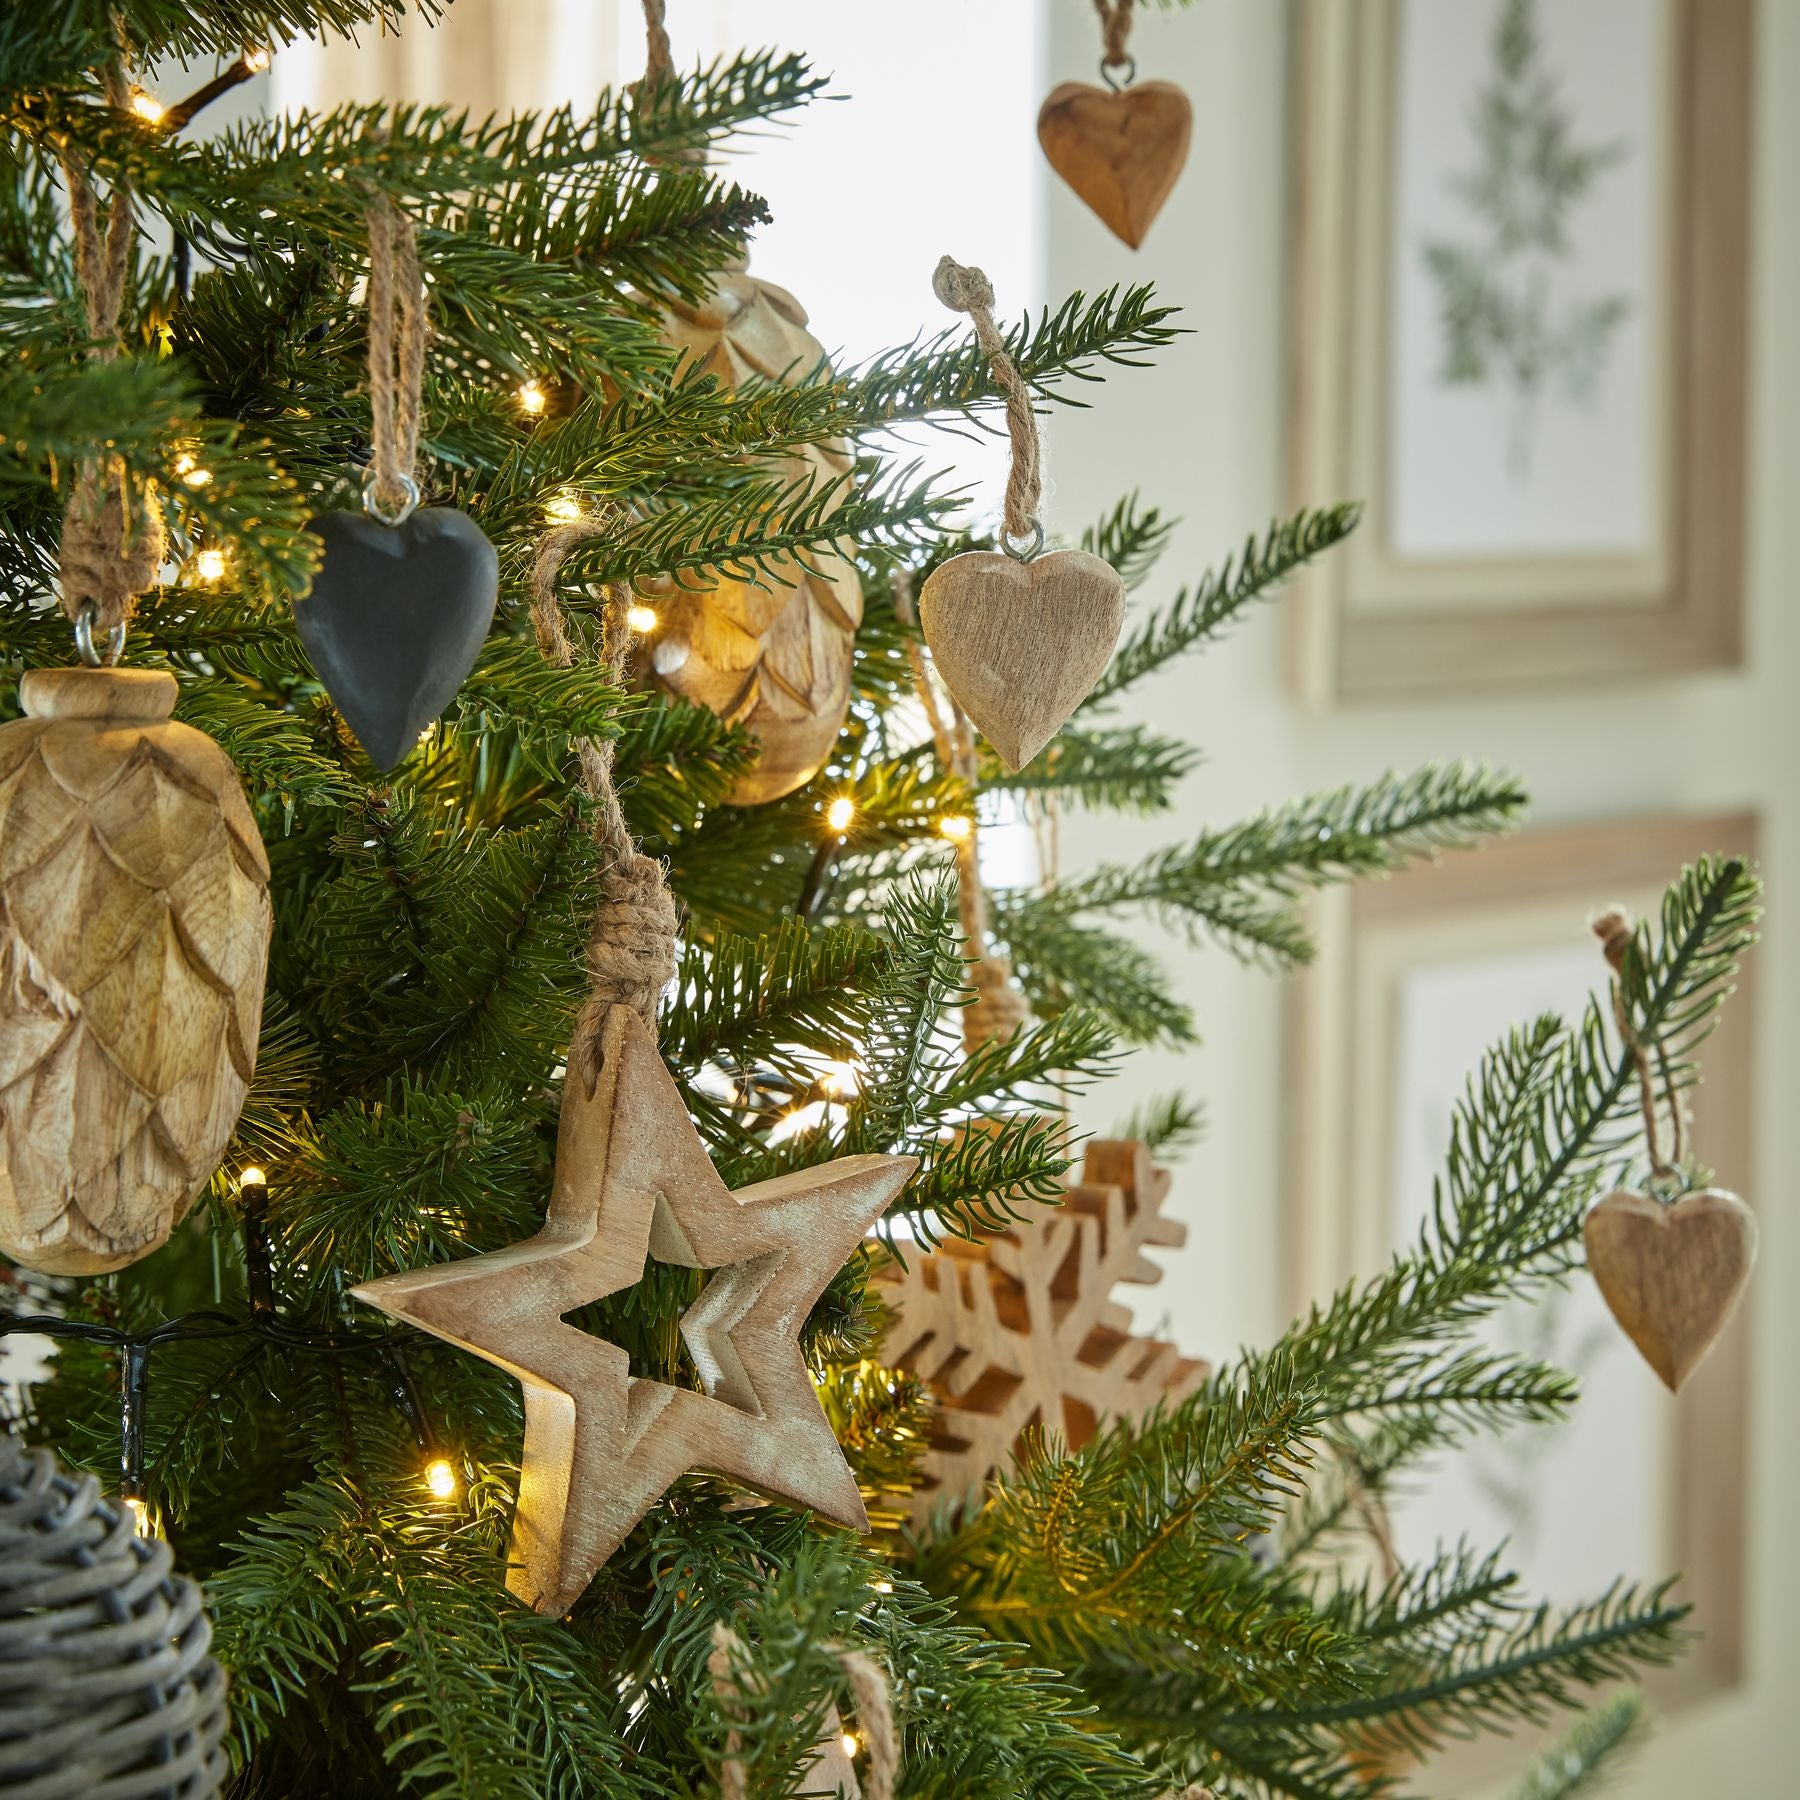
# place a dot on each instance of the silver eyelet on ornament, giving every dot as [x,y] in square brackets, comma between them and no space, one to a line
[1106,75]
[1030,545]
[390,515]
[1666,1186]
[84,639]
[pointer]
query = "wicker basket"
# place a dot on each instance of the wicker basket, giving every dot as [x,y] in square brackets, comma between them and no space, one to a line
[106,1688]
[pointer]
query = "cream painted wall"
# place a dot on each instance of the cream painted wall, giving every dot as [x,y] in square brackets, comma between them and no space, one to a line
[1203,436]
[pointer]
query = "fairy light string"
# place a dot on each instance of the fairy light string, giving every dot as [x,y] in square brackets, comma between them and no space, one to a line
[263,1322]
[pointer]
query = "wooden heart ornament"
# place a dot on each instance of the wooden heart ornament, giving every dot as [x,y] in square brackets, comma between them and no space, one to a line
[1121,152]
[1021,644]
[1673,1272]
[396,618]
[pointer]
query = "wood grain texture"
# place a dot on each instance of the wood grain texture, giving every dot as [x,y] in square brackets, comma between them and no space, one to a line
[1672,1274]
[1121,152]
[772,654]
[633,1181]
[1020,644]
[134,939]
[1021,1330]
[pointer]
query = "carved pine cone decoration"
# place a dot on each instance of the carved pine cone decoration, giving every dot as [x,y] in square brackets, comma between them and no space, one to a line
[134,937]
[774,655]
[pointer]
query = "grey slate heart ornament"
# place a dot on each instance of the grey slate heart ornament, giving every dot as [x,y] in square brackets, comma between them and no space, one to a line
[396,618]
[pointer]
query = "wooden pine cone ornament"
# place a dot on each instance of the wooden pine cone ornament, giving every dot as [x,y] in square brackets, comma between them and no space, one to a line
[134,937]
[773,654]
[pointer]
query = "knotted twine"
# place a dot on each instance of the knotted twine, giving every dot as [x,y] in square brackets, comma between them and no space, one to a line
[112,541]
[967,290]
[659,64]
[631,948]
[874,1711]
[1115,28]
[1616,932]
[999,1008]
[398,329]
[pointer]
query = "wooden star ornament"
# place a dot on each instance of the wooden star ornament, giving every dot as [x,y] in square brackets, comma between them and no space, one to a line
[633,1181]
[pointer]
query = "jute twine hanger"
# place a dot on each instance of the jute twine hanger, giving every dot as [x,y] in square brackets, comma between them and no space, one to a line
[631,948]
[874,1711]
[658,62]
[999,1008]
[399,327]
[1616,931]
[1115,30]
[112,540]
[967,290]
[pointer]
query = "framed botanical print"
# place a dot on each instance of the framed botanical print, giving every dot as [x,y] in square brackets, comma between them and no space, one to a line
[1520,278]
[1415,978]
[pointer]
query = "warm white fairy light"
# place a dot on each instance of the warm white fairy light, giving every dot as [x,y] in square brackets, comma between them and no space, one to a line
[147,107]
[440,1478]
[252,1177]
[140,1515]
[957,827]
[532,399]
[839,1080]
[850,1743]
[840,813]
[641,619]
[256,59]
[564,508]
[209,565]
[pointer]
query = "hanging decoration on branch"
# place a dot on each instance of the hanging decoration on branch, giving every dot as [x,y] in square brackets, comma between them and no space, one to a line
[402,602]
[770,650]
[633,1181]
[1020,637]
[998,1007]
[833,1766]
[1121,147]
[134,907]
[1671,1263]
[1020,1330]
[109,1684]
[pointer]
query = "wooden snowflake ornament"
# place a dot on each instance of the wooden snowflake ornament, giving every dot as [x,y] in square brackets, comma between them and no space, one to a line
[633,1181]
[1021,1330]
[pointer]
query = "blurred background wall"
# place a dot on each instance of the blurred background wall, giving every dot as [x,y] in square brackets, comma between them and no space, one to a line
[934,150]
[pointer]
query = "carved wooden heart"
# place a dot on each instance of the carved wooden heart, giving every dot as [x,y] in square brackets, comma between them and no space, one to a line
[1121,153]
[1672,1274]
[396,618]
[1020,644]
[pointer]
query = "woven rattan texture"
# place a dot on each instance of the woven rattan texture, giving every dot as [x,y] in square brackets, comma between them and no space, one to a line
[107,1691]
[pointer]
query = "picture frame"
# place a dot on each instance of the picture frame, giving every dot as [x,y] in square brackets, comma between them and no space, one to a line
[1418,343]
[1410,972]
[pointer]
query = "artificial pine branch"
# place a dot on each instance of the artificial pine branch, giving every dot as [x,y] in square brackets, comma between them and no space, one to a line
[1589,1753]
[1200,614]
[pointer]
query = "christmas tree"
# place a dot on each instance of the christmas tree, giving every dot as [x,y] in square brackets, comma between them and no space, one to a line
[1183,1601]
